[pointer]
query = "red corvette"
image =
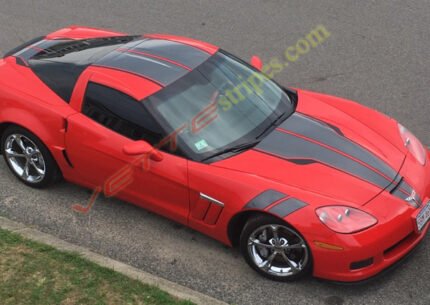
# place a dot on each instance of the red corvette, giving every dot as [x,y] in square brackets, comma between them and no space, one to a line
[302,182]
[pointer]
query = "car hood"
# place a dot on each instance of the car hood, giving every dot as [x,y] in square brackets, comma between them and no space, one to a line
[326,148]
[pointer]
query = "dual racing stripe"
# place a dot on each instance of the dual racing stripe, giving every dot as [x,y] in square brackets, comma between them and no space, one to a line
[159,71]
[161,61]
[186,55]
[318,131]
[276,202]
[288,146]
[304,140]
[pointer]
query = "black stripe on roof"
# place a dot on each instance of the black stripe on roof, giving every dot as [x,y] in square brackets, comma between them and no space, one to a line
[181,53]
[159,71]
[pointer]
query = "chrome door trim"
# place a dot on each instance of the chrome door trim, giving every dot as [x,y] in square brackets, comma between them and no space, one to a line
[213,200]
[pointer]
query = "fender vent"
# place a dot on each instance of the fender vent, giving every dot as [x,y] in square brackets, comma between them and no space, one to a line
[66,157]
[206,210]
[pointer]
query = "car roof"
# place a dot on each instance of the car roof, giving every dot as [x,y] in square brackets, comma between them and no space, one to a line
[162,61]
[59,58]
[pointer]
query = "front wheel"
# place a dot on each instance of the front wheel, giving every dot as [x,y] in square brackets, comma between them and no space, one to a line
[28,158]
[274,249]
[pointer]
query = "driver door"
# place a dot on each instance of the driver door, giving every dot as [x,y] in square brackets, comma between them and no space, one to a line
[109,119]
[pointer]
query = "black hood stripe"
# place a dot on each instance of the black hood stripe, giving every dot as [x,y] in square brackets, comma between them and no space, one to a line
[399,194]
[324,133]
[406,187]
[395,185]
[407,190]
[288,146]
[333,149]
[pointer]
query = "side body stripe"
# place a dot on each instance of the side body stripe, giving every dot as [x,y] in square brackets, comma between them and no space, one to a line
[276,203]
[265,199]
[286,207]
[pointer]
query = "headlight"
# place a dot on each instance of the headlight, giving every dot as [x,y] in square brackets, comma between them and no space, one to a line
[343,219]
[414,145]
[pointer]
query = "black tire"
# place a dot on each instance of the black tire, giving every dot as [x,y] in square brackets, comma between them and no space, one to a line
[262,221]
[52,172]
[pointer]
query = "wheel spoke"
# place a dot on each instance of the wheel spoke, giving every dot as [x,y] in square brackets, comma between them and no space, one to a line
[20,143]
[275,232]
[266,265]
[289,262]
[300,245]
[26,171]
[258,243]
[39,171]
[13,154]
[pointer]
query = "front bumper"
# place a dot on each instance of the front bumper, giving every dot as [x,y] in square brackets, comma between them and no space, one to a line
[367,253]
[370,254]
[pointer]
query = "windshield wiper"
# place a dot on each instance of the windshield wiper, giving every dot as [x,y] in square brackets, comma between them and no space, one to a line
[233,149]
[276,122]
[248,145]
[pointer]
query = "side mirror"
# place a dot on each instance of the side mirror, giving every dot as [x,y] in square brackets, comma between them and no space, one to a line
[142,148]
[256,62]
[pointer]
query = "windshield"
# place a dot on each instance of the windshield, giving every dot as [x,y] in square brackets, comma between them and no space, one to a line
[219,105]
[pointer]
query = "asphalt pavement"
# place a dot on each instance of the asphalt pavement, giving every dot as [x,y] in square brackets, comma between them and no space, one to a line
[377,54]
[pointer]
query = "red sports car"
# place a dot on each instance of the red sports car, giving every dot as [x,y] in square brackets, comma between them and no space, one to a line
[302,182]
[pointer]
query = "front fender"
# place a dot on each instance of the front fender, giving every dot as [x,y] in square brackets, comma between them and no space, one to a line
[49,128]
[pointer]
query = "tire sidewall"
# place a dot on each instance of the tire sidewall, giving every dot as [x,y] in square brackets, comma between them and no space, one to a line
[261,220]
[52,173]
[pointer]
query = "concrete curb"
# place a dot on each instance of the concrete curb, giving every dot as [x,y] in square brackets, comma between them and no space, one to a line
[174,289]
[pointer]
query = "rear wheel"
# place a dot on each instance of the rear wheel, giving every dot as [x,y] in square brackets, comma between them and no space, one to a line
[274,249]
[28,158]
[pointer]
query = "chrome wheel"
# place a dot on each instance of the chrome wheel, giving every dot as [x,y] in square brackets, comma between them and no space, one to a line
[277,250]
[25,158]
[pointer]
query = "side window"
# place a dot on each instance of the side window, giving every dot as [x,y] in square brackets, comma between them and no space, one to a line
[120,113]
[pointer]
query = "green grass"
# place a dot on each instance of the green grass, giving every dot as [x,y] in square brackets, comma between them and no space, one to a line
[32,273]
